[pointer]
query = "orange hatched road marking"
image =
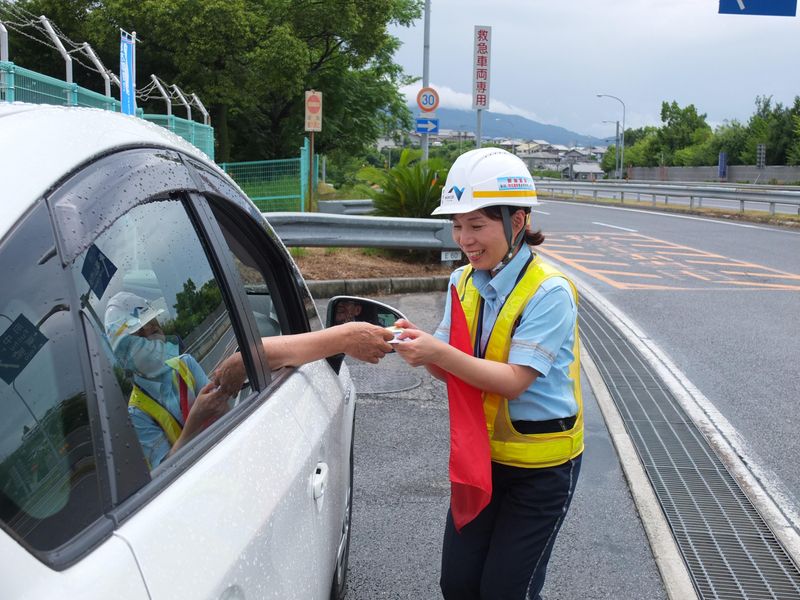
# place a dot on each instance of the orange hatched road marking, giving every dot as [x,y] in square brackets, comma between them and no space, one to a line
[629,274]
[671,263]
[695,275]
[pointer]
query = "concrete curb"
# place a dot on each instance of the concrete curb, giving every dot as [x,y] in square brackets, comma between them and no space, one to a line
[367,287]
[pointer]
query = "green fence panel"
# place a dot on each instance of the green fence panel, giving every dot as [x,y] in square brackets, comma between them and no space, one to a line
[22,85]
[273,185]
[276,185]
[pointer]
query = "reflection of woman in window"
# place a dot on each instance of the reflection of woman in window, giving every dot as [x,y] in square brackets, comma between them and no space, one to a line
[172,399]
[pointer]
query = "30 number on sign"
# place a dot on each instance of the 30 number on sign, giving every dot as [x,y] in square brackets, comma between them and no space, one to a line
[427,99]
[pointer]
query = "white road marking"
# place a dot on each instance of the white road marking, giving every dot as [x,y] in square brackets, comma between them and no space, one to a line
[541,212]
[665,214]
[614,226]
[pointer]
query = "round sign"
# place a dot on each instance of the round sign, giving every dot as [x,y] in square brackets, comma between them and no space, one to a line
[313,104]
[428,99]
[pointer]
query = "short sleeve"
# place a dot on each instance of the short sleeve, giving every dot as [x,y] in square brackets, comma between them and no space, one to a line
[443,330]
[547,325]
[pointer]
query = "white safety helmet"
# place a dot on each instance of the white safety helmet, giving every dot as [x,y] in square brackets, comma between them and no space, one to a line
[127,313]
[486,177]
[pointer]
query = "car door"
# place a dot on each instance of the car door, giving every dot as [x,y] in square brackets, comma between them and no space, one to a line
[56,538]
[321,397]
[232,513]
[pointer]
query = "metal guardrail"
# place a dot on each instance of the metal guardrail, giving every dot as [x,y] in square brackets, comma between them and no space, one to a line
[324,230]
[695,192]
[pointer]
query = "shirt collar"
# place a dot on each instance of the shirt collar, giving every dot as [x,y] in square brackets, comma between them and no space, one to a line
[501,284]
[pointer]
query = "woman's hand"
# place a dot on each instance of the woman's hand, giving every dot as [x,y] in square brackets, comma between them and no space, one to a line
[419,348]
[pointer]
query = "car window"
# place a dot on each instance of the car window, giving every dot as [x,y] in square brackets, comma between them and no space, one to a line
[160,312]
[254,275]
[49,480]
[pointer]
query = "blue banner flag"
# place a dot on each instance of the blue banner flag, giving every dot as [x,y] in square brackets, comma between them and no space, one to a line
[775,8]
[127,73]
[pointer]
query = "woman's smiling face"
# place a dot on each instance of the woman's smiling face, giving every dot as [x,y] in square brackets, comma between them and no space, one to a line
[481,238]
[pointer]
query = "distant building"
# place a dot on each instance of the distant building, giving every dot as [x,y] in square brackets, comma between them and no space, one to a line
[585,171]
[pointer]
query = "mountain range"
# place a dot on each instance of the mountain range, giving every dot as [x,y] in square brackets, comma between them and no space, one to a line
[498,125]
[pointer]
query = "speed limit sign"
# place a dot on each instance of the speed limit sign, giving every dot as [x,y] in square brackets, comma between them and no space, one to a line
[428,99]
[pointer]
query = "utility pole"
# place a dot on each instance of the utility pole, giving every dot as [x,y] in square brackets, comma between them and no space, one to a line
[426,52]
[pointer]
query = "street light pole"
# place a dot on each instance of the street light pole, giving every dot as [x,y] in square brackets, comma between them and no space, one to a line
[513,144]
[622,138]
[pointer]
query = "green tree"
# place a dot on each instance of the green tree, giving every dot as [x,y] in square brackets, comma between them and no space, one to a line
[192,306]
[794,151]
[249,61]
[680,129]
[731,138]
[773,126]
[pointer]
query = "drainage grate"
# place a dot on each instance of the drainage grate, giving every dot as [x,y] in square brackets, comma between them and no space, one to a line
[729,550]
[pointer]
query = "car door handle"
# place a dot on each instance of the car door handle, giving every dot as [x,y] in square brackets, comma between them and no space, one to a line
[319,481]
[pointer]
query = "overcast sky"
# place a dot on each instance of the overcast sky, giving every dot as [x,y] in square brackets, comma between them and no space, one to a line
[551,57]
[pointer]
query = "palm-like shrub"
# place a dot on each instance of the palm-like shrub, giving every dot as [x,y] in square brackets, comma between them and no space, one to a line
[411,188]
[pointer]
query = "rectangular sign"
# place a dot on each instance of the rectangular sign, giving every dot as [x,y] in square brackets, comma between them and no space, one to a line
[313,110]
[775,8]
[481,65]
[427,125]
[127,73]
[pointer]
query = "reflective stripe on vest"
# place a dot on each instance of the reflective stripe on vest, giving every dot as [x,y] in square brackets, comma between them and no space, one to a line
[508,446]
[169,424]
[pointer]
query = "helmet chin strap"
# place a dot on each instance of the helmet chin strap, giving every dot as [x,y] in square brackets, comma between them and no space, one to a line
[513,242]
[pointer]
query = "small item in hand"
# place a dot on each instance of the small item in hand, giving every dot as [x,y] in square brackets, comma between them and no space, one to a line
[396,331]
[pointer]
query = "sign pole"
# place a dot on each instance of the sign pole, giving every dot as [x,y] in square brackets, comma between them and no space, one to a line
[311,206]
[313,123]
[478,130]
[426,51]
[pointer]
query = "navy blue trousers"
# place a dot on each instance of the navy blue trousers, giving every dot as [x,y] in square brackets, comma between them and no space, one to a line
[503,553]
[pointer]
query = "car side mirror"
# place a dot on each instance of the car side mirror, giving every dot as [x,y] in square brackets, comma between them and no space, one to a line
[343,309]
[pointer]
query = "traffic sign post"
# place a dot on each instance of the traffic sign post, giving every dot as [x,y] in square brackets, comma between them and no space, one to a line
[313,123]
[427,100]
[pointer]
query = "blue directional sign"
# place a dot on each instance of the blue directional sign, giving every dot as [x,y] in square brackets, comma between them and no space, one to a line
[427,125]
[775,8]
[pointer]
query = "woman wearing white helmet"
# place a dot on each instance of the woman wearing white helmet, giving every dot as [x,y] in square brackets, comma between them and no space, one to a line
[522,319]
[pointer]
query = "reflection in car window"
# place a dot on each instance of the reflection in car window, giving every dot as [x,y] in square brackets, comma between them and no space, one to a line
[159,309]
[260,295]
[48,474]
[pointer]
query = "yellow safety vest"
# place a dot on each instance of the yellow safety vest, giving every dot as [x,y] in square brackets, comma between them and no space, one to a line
[139,399]
[508,446]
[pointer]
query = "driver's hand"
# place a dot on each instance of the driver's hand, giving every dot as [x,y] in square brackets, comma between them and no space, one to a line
[366,342]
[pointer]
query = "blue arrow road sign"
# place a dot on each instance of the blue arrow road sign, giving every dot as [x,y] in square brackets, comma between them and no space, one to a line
[427,125]
[775,8]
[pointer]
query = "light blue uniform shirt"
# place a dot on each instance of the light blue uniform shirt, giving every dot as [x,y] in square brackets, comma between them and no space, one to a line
[152,438]
[543,339]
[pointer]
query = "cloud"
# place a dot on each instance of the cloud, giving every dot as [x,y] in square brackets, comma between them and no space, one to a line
[449,98]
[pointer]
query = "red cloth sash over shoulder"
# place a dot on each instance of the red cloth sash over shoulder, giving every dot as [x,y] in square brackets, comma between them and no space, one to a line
[470,455]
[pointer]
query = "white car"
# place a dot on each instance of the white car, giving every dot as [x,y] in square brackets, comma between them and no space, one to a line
[96,206]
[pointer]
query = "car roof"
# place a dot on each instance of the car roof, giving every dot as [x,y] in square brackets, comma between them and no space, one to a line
[40,143]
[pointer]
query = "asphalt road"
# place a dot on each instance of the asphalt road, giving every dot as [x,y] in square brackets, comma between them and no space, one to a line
[721,299]
[401,492]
